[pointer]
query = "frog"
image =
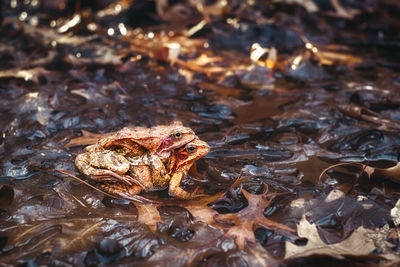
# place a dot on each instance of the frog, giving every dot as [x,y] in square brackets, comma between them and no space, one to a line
[107,159]
[159,140]
[183,162]
[152,174]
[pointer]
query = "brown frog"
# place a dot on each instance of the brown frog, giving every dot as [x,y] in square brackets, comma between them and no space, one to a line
[107,159]
[152,175]
[159,140]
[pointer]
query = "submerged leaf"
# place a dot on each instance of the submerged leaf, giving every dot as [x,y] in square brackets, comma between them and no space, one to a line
[77,233]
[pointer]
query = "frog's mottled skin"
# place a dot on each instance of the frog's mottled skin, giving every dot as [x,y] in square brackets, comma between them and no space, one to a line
[127,162]
[104,161]
[150,172]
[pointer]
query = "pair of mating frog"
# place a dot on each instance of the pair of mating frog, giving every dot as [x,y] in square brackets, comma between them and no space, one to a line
[138,158]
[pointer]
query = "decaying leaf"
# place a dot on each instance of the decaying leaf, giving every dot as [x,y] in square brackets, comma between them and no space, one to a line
[26,74]
[380,238]
[84,232]
[6,195]
[148,215]
[87,138]
[392,173]
[395,213]
[360,242]
[385,123]
[30,239]
[90,53]
[47,36]
[309,5]
[246,219]
[256,256]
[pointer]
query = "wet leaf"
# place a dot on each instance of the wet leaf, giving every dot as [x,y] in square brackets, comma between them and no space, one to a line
[76,233]
[358,243]
[87,138]
[309,5]
[329,76]
[392,173]
[255,255]
[148,214]
[250,217]
[395,213]
[6,195]
[26,74]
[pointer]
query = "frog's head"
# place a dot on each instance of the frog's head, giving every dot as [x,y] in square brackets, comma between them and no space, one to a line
[177,136]
[187,155]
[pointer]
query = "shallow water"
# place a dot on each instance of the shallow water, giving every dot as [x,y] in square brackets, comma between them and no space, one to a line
[279,126]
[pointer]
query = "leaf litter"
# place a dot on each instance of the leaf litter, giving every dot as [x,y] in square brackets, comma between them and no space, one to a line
[280,91]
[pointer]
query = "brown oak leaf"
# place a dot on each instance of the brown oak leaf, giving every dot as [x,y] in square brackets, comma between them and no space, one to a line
[392,173]
[360,242]
[248,218]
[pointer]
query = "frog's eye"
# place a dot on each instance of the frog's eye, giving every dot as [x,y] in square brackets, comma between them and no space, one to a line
[191,148]
[177,135]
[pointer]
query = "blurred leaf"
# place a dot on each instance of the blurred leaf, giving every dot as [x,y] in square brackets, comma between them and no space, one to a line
[309,5]
[26,74]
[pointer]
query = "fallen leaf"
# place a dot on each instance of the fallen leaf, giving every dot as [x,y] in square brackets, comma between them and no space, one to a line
[392,173]
[383,122]
[308,5]
[84,233]
[246,219]
[395,213]
[87,138]
[148,215]
[47,36]
[30,239]
[6,195]
[386,248]
[26,74]
[360,242]
[256,256]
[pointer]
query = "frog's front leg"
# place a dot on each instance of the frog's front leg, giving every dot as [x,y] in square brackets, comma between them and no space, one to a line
[175,190]
[103,166]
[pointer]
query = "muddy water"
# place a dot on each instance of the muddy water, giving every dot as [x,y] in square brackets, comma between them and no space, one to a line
[294,121]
